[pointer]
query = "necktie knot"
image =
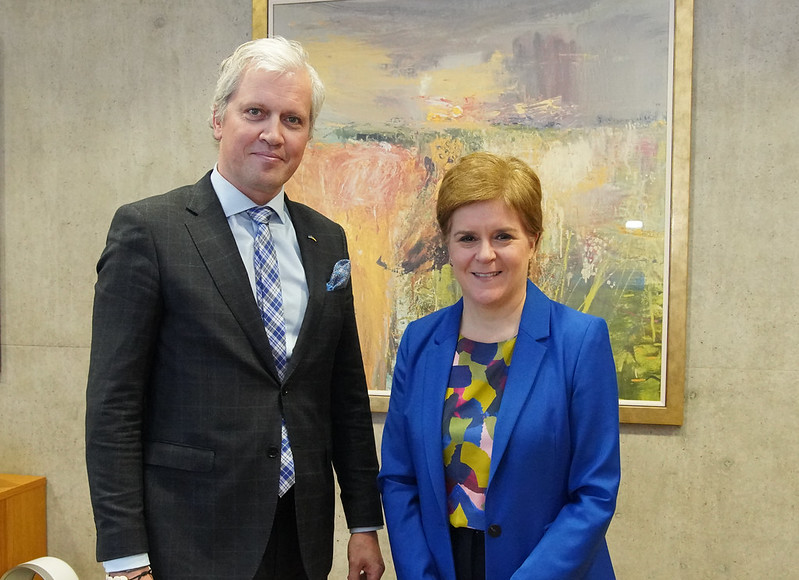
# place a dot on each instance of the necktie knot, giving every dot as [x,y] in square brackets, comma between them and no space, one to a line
[261,215]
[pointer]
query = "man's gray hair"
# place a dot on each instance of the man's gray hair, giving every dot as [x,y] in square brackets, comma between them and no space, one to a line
[274,54]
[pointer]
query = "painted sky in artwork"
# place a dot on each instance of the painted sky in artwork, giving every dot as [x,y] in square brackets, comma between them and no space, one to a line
[494,61]
[576,88]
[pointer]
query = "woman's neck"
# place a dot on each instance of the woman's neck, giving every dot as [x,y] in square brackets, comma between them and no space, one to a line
[490,325]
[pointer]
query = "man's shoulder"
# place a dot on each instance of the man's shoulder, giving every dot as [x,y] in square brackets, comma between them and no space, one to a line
[171,198]
[174,197]
[195,198]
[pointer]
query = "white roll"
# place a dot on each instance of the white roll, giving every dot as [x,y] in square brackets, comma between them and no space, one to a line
[48,568]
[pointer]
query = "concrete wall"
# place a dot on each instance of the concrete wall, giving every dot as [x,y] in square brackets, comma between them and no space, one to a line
[105,102]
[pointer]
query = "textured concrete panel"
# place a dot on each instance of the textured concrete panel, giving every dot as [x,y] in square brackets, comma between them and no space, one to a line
[107,102]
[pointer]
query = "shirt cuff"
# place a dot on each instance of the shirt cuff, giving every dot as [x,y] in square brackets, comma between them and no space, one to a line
[126,563]
[364,530]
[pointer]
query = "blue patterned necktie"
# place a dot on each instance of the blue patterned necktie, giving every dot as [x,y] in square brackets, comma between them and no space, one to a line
[270,301]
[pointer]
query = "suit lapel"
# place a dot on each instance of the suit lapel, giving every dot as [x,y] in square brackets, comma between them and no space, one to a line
[528,353]
[210,232]
[437,369]
[314,278]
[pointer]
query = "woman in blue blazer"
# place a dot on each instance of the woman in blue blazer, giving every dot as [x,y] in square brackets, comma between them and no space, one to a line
[500,453]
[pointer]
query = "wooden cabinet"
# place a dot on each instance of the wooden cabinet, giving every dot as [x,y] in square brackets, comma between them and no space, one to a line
[23,519]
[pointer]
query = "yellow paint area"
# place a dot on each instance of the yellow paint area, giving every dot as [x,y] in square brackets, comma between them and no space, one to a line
[458,518]
[478,460]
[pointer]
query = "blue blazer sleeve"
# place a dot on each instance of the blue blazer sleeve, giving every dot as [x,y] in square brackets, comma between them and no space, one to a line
[409,510]
[573,544]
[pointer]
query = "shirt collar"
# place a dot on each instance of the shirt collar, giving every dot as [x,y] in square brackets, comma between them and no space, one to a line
[234,201]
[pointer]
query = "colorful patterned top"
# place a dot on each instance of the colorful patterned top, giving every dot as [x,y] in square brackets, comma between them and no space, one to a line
[476,385]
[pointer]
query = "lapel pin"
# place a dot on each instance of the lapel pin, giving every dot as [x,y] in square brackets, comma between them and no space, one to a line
[312,238]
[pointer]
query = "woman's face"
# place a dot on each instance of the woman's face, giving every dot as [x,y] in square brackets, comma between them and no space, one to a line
[490,251]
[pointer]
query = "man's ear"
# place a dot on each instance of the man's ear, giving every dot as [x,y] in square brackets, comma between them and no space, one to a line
[216,124]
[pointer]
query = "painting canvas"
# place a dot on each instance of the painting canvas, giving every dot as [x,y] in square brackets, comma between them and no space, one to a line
[579,89]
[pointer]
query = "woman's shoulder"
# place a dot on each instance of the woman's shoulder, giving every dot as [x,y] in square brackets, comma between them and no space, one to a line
[429,323]
[562,317]
[569,322]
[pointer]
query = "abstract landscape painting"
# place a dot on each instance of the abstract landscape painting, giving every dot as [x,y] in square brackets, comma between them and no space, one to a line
[579,89]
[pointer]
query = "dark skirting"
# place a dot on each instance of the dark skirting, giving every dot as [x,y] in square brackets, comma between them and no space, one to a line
[469,551]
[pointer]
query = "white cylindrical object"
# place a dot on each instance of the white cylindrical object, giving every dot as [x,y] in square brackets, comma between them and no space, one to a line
[48,568]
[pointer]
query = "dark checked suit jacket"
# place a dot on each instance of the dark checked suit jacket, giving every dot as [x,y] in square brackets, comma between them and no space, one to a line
[184,403]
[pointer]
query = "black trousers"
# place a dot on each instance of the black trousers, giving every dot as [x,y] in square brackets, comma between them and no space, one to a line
[469,551]
[282,560]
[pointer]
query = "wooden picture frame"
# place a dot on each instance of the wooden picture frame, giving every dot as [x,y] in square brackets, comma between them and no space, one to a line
[676,147]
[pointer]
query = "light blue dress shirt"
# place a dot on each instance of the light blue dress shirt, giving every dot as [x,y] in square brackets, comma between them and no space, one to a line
[292,274]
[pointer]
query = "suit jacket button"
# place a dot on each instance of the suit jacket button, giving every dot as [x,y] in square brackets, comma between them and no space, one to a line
[273,452]
[495,530]
[284,392]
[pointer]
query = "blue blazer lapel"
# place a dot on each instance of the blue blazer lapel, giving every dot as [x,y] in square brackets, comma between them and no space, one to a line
[437,368]
[527,356]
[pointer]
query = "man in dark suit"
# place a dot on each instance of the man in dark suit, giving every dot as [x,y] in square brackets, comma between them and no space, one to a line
[189,388]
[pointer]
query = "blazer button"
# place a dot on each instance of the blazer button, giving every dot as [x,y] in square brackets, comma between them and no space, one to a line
[284,392]
[495,530]
[273,452]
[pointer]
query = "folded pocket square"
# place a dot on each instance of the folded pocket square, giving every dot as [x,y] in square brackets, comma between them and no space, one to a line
[340,275]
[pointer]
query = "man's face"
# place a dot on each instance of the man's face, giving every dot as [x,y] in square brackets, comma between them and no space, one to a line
[263,135]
